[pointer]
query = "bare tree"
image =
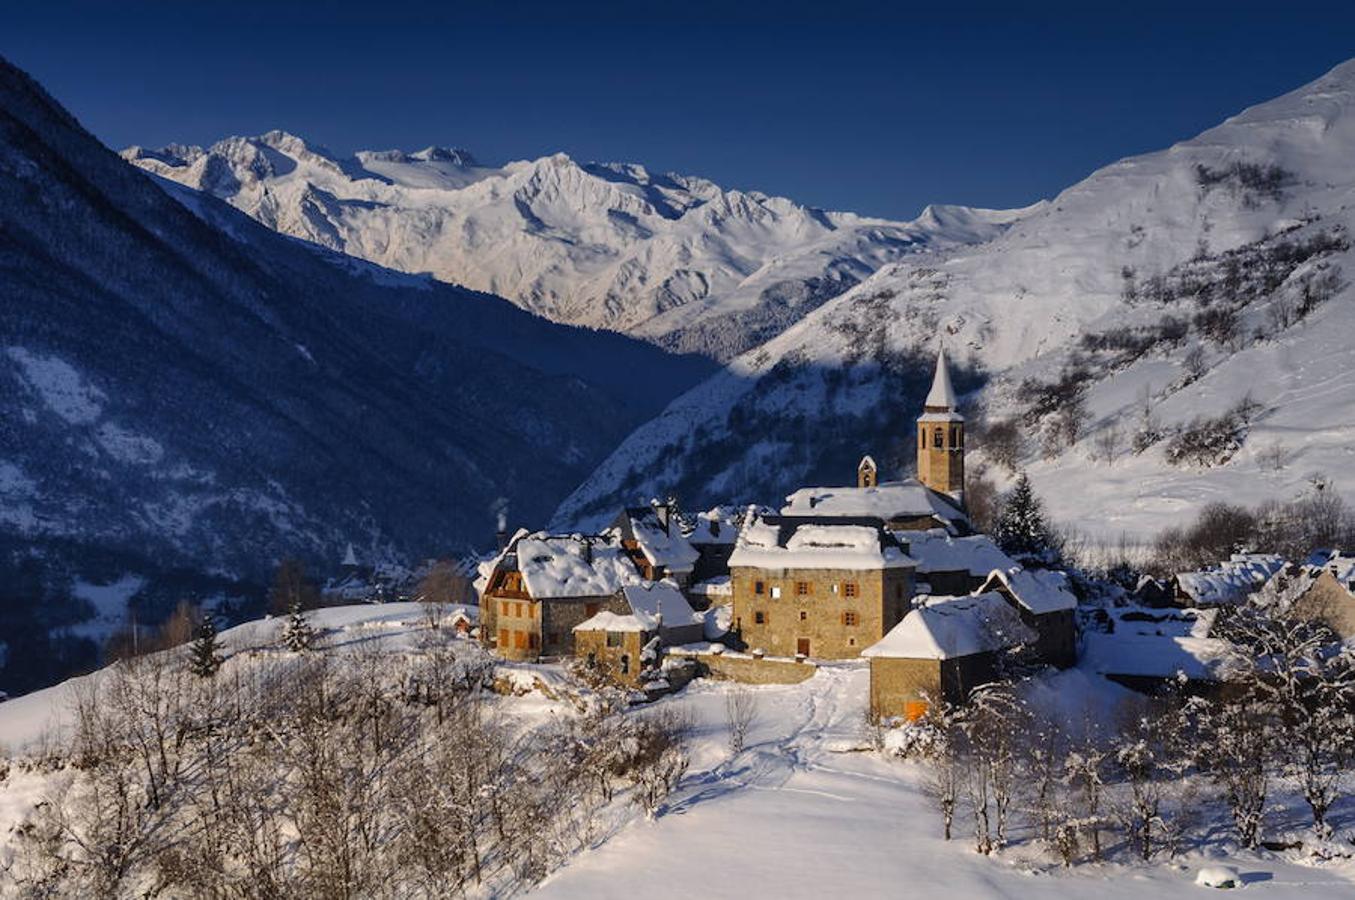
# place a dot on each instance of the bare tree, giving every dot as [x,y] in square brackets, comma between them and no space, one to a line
[740,715]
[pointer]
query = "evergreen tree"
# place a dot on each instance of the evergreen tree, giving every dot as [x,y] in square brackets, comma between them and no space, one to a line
[204,654]
[1022,530]
[298,635]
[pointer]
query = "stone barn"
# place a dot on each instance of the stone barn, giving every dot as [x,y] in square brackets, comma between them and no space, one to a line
[617,642]
[940,652]
[1046,604]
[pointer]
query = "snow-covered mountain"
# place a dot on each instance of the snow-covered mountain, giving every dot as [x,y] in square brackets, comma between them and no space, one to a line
[1181,281]
[671,258]
[183,387]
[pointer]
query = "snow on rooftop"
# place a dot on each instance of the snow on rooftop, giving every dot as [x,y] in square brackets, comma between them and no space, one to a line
[893,500]
[663,546]
[767,544]
[1232,581]
[1152,656]
[651,604]
[1041,592]
[947,628]
[573,566]
[937,551]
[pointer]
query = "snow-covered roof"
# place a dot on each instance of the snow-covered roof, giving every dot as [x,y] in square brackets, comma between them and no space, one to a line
[942,393]
[651,604]
[774,542]
[555,566]
[907,499]
[715,526]
[950,627]
[936,550]
[662,546]
[1336,562]
[1232,581]
[1153,656]
[867,462]
[719,586]
[1040,591]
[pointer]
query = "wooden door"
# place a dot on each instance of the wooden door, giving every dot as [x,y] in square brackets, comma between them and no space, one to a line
[802,646]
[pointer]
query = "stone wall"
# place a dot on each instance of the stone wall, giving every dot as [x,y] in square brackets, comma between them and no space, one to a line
[748,670]
[621,662]
[902,687]
[813,612]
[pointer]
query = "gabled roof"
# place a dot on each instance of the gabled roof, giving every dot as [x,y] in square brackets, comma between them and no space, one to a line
[662,546]
[1039,591]
[792,542]
[942,394]
[1232,582]
[951,627]
[936,550]
[570,566]
[652,604]
[906,499]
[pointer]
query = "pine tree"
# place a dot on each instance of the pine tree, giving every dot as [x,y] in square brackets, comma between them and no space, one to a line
[1022,530]
[204,654]
[298,636]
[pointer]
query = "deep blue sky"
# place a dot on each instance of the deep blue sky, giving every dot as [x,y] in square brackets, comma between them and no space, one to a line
[835,104]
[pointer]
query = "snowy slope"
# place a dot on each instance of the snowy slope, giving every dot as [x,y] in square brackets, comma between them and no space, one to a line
[1245,217]
[673,258]
[185,390]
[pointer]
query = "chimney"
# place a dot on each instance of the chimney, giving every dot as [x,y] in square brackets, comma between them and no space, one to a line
[502,534]
[587,551]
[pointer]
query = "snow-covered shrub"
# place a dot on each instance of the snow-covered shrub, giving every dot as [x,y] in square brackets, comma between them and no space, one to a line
[1212,442]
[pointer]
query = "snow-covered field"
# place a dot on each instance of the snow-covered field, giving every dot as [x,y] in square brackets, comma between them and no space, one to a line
[807,809]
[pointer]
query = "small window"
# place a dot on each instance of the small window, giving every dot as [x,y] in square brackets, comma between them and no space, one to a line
[615,639]
[849,589]
[503,608]
[517,610]
[835,589]
[759,587]
[520,640]
[625,664]
[803,615]
[939,437]
[776,593]
[759,618]
[803,589]
[850,618]
[922,440]
[531,640]
[851,642]
[503,638]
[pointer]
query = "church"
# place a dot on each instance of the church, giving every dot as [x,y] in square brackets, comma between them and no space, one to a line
[832,573]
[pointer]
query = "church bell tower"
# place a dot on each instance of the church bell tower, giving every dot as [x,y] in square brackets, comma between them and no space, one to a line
[940,437]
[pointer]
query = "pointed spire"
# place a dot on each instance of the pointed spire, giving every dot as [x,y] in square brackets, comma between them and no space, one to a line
[942,394]
[350,558]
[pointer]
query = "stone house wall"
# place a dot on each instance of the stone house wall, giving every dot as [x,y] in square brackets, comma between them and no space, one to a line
[813,611]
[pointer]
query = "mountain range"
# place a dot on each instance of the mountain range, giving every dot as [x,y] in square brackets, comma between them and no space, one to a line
[671,258]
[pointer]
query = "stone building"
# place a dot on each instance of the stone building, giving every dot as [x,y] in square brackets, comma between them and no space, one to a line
[543,585]
[617,642]
[952,566]
[1046,605]
[934,499]
[940,652]
[940,437]
[825,588]
[654,538]
[1329,597]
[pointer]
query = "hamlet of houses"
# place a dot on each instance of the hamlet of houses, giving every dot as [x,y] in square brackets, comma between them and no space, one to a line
[891,573]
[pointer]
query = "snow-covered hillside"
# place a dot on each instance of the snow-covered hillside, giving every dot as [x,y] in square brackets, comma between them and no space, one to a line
[672,258]
[807,807]
[1199,274]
